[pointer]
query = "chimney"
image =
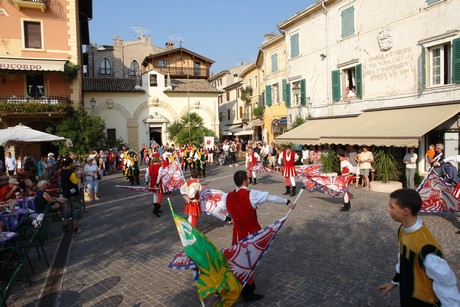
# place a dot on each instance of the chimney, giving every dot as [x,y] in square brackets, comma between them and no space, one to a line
[169,45]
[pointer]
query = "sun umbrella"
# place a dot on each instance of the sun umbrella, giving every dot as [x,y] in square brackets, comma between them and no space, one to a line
[20,134]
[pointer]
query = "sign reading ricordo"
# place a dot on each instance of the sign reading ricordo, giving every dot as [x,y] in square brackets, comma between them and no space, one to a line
[21,66]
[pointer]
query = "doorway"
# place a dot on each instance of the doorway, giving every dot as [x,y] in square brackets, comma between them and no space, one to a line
[155,134]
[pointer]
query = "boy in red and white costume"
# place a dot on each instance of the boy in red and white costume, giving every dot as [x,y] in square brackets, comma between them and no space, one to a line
[252,158]
[347,171]
[289,158]
[191,192]
[152,180]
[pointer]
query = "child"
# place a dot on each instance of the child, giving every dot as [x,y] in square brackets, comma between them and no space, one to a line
[191,193]
[430,152]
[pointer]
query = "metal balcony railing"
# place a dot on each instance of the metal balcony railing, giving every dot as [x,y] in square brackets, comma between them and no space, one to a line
[41,99]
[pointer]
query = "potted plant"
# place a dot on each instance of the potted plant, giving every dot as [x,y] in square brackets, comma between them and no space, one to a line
[387,172]
[330,164]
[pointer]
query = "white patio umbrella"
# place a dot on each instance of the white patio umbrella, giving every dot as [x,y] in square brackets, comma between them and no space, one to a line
[20,135]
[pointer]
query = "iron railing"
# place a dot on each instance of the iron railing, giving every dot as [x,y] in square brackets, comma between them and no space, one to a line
[183,71]
[41,99]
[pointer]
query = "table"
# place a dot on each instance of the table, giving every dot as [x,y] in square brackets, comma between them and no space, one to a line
[27,202]
[7,237]
[12,220]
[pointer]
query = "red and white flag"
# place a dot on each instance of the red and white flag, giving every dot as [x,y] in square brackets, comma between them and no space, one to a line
[259,168]
[172,177]
[437,195]
[210,199]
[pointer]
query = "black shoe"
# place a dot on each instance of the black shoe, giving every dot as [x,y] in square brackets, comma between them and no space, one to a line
[288,190]
[250,180]
[65,226]
[255,180]
[344,209]
[293,191]
[253,297]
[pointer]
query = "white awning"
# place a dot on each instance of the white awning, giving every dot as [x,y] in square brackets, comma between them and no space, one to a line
[32,64]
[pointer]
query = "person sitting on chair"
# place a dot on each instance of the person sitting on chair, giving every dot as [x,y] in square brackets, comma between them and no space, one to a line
[42,194]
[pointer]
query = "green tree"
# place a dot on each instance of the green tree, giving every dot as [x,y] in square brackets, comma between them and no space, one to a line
[86,133]
[188,129]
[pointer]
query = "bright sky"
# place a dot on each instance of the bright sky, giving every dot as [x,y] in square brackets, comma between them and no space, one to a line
[226,31]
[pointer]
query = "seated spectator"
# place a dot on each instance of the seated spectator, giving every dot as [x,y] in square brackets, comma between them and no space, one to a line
[56,202]
[9,190]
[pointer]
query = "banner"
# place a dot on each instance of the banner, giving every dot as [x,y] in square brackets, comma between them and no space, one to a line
[437,195]
[209,142]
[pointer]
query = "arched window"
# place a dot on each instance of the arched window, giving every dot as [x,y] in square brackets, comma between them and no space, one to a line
[106,68]
[134,69]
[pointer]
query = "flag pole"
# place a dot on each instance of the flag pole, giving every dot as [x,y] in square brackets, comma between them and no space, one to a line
[297,198]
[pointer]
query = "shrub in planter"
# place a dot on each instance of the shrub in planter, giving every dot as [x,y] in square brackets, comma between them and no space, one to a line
[330,162]
[386,167]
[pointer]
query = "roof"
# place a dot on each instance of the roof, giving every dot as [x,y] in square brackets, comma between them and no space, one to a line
[191,85]
[176,50]
[110,85]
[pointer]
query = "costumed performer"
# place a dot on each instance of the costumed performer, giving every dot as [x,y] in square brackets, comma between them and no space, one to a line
[152,180]
[191,192]
[346,170]
[242,204]
[422,274]
[289,158]
[252,159]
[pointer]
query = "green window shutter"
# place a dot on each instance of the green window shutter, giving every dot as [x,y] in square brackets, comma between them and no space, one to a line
[456,60]
[284,89]
[268,94]
[430,2]
[359,80]
[303,92]
[288,95]
[423,70]
[274,62]
[348,21]
[294,45]
[336,85]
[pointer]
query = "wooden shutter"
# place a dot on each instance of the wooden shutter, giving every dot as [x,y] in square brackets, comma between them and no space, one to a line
[456,60]
[359,80]
[294,45]
[32,35]
[268,94]
[288,95]
[303,92]
[430,2]
[284,85]
[423,68]
[336,85]
[348,22]
[274,62]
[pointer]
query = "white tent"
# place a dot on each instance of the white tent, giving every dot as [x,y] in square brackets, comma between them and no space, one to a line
[20,134]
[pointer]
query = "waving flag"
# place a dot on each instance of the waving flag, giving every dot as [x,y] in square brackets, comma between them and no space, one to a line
[244,256]
[136,188]
[437,195]
[172,177]
[214,274]
[209,199]
[259,168]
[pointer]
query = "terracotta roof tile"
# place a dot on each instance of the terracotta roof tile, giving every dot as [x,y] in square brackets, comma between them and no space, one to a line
[192,85]
[110,85]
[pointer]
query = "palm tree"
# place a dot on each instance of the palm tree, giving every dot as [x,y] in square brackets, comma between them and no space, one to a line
[188,129]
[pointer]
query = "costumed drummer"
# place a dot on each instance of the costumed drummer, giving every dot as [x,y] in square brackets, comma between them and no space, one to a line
[191,193]
[241,204]
[289,157]
[152,180]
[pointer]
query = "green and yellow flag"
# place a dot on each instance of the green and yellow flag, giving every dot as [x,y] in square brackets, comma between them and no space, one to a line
[214,274]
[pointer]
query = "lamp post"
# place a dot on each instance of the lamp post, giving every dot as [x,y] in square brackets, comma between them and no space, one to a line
[92,103]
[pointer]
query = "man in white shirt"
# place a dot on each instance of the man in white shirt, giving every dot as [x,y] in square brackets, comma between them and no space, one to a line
[10,163]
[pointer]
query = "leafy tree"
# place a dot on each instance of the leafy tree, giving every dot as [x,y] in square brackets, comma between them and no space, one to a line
[258,111]
[86,133]
[188,129]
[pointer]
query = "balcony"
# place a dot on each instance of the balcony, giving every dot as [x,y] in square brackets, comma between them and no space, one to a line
[20,106]
[31,4]
[183,72]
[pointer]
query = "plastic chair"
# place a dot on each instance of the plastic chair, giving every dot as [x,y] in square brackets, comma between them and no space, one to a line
[5,291]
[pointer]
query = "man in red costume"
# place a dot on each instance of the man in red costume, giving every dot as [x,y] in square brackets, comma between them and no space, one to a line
[289,157]
[152,180]
[191,193]
[241,204]
[251,160]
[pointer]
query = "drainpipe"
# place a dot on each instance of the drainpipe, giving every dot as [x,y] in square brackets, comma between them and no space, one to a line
[328,55]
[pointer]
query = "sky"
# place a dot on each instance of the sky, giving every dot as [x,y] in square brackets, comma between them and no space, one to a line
[228,32]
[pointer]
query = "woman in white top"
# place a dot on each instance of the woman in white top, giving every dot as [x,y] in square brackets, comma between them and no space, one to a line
[91,172]
[305,155]
[410,159]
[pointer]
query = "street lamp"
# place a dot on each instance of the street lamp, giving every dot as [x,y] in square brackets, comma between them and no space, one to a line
[92,103]
[296,92]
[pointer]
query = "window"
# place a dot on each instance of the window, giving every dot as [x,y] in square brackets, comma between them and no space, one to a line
[430,2]
[163,63]
[35,85]
[348,22]
[220,99]
[275,96]
[347,81]
[241,112]
[106,67]
[112,135]
[250,82]
[32,35]
[274,62]
[228,95]
[268,94]
[440,64]
[153,80]
[134,69]
[196,69]
[228,114]
[255,81]
[294,45]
